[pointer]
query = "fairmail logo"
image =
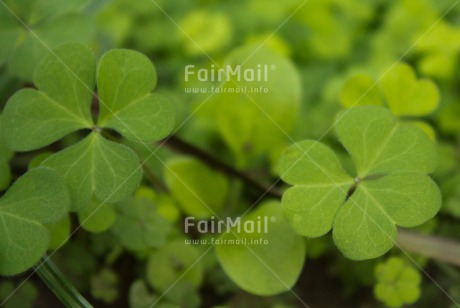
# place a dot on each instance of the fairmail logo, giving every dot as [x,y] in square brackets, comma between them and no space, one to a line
[258,225]
[237,73]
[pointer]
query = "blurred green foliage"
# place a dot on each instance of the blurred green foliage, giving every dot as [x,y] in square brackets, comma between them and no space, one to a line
[397,283]
[326,55]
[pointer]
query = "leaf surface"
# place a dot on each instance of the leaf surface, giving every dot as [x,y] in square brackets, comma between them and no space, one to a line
[391,187]
[321,187]
[405,95]
[50,34]
[138,224]
[61,105]
[379,144]
[264,268]
[126,79]
[172,262]
[97,167]
[37,198]
[199,190]
[252,123]
[360,90]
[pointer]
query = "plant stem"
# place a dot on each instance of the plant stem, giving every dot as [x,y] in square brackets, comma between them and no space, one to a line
[153,178]
[435,247]
[60,285]
[178,145]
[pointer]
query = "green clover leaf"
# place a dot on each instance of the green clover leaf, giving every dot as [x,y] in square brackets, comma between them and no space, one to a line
[381,145]
[61,105]
[419,97]
[96,166]
[262,263]
[200,191]
[172,262]
[256,123]
[391,186]
[39,197]
[97,217]
[438,50]
[138,224]
[404,94]
[51,23]
[5,156]
[140,296]
[360,90]
[59,232]
[211,31]
[104,285]
[125,81]
[397,283]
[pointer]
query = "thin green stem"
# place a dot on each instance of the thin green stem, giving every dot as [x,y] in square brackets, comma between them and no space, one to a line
[153,178]
[60,285]
[178,145]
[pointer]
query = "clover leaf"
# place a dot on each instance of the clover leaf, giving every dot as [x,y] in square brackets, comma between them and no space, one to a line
[39,197]
[438,50]
[173,262]
[61,105]
[96,166]
[256,123]
[5,156]
[210,32]
[390,188]
[125,81]
[105,285]
[359,90]
[138,224]
[200,191]
[397,283]
[262,263]
[49,24]
[404,94]
[140,296]
[97,217]
[59,232]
